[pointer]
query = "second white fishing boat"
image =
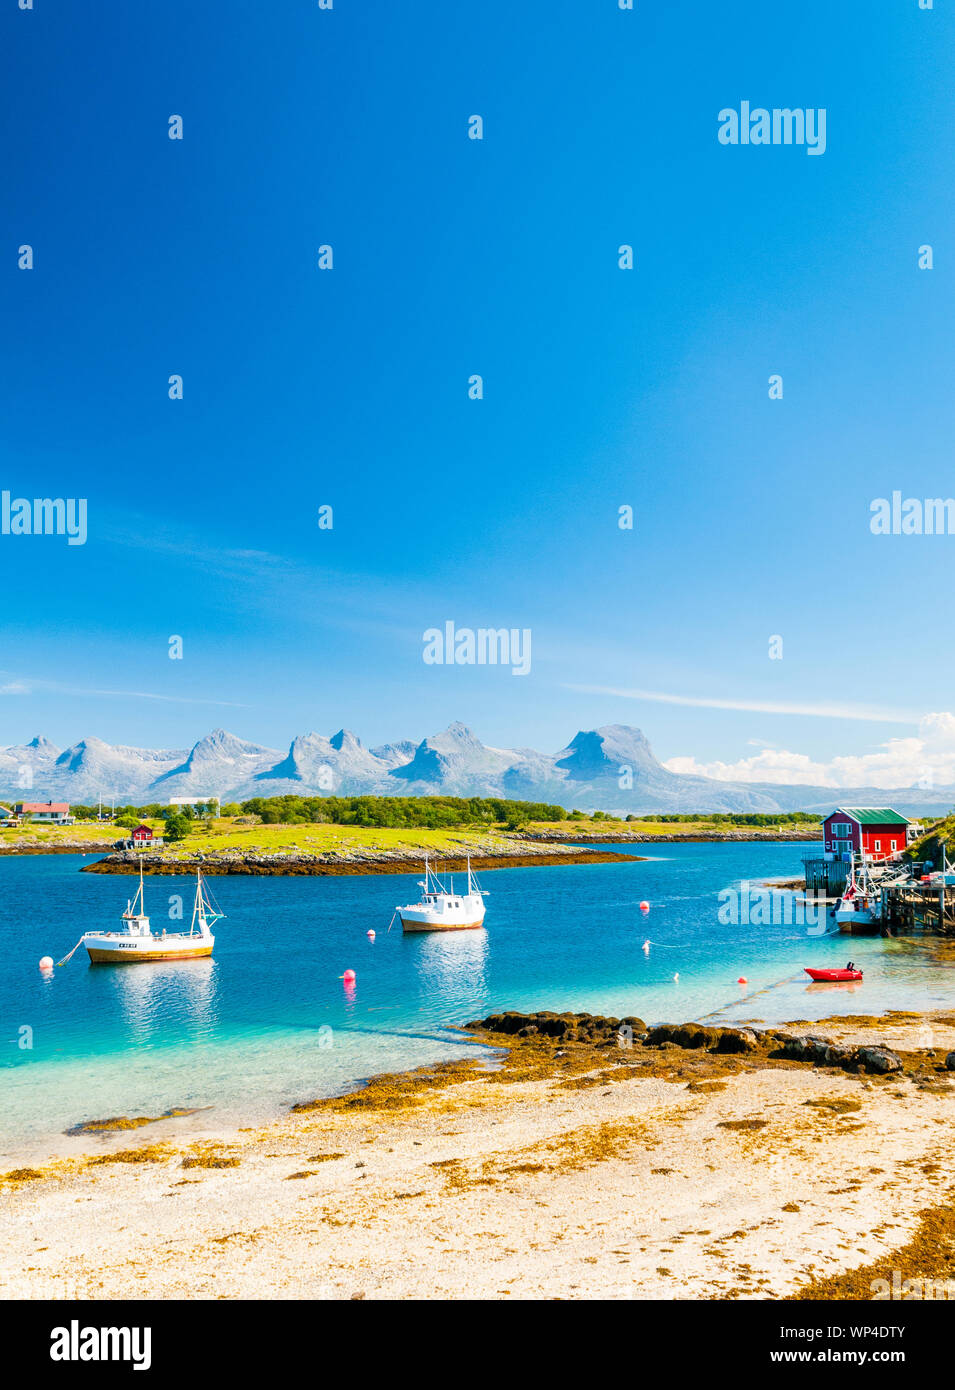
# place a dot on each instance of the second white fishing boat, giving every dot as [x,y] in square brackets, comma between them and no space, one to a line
[860,904]
[441,909]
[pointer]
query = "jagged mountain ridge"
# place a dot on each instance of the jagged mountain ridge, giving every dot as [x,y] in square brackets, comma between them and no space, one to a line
[612,768]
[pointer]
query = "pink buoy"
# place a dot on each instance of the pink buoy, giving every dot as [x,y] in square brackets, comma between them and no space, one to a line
[349,975]
[644,907]
[46,962]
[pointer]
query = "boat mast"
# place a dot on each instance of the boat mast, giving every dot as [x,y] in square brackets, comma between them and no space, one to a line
[197,905]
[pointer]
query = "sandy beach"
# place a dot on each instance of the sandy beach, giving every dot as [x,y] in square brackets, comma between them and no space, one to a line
[552,1169]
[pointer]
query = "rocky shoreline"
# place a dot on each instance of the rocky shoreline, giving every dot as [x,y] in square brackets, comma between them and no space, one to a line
[642,837]
[558,1030]
[296,863]
[77,847]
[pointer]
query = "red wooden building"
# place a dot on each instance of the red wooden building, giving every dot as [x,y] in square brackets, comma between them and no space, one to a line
[142,835]
[875,832]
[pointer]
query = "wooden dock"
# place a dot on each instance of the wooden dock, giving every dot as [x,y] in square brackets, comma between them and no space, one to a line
[912,908]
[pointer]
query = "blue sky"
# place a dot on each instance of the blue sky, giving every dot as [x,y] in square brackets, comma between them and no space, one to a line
[451,257]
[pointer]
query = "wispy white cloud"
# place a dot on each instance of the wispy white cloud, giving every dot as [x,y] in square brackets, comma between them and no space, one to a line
[29,686]
[925,761]
[839,710]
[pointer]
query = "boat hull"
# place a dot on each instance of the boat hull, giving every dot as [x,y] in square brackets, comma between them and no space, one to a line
[832,976]
[105,952]
[413,924]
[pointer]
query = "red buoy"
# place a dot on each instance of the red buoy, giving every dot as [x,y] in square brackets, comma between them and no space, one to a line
[644,906]
[742,980]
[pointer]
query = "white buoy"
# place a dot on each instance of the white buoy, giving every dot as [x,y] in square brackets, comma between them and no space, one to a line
[46,962]
[676,977]
[370,935]
[646,948]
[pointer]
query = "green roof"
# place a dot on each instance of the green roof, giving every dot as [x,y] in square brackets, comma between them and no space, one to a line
[873,815]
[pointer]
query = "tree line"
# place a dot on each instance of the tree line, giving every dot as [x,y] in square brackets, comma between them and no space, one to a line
[417,812]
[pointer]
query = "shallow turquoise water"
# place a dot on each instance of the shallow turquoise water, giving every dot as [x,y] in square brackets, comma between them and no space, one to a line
[269,1021]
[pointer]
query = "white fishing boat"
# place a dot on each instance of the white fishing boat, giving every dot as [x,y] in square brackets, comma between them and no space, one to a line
[440,908]
[137,941]
[861,901]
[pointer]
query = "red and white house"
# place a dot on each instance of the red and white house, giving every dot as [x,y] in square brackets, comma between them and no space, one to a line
[142,837]
[869,832]
[50,812]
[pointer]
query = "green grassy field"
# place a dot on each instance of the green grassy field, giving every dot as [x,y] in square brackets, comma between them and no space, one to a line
[230,833]
[227,834]
[84,832]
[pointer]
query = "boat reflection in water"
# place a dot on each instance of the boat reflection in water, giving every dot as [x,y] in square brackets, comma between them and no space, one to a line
[181,993]
[452,969]
[821,986]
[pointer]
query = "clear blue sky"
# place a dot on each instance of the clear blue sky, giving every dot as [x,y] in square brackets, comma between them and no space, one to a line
[454,257]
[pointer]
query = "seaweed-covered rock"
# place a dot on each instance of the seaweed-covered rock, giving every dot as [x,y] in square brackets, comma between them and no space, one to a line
[950,1061]
[735,1040]
[637,1024]
[565,1027]
[680,1035]
[696,1035]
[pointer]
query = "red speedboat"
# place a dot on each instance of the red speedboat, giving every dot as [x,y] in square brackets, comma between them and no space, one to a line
[849,973]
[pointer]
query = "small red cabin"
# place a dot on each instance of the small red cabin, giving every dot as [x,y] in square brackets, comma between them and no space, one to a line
[142,835]
[872,832]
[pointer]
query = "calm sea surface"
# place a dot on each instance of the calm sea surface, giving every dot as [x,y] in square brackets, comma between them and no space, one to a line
[247,1033]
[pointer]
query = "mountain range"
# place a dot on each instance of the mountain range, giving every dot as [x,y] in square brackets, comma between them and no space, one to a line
[612,768]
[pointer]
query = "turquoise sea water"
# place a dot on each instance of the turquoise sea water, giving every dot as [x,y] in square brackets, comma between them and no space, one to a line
[268,1021]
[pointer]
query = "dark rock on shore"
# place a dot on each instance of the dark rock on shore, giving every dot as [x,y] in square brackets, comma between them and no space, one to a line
[879,1060]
